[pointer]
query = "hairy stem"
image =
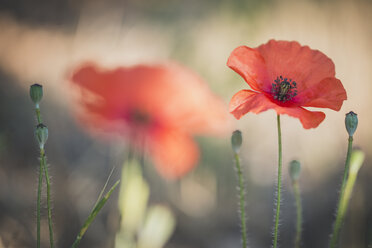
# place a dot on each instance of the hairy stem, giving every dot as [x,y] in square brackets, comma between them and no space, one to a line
[339,213]
[241,200]
[40,183]
[50,222]
[296,189]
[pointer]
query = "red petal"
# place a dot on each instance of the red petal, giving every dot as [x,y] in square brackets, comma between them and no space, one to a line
[300,63]
[249,64]
[87,76]
[177,101]
[309,119]
[173,152]
[169,92]
[329,93]
[249,101]
[189,104]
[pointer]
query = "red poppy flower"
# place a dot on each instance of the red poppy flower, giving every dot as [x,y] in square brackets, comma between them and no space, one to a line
[286,77]
[159,107]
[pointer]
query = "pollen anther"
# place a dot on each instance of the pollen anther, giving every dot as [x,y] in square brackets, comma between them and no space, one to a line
[283,89]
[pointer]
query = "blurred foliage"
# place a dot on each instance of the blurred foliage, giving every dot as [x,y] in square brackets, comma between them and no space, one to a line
[142,226]
[66,13]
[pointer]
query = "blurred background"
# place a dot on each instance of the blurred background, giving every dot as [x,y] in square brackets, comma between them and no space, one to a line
[41,41]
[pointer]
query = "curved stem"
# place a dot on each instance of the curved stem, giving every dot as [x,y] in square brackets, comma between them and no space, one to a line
[296,189]
[339,214]
[50,222]
[279,184]
[242,200]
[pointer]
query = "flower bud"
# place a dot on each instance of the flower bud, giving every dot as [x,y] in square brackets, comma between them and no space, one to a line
[351,122]
[36,93]
[294,170]
[41,134]
[236,141]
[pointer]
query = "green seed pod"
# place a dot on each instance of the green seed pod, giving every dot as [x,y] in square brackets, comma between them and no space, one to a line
[236,141]
[41,134]
[36,93]
[294,170]
[351,122]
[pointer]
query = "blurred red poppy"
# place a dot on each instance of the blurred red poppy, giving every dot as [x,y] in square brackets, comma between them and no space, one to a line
[157,108]
[286,77]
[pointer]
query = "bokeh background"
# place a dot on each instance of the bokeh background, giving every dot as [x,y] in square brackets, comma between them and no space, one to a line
[41,41]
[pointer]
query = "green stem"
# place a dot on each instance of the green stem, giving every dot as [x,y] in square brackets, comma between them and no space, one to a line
[347,165]
[242,200]
[43,166]
[40,183]
[38,115]
[279,185]
[43,161]
[339,214]
[296,189]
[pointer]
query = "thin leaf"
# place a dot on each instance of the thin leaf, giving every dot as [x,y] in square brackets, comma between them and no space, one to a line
[93,215]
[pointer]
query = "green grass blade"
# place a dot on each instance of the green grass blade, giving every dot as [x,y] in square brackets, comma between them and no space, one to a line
[93,214]
[104,187]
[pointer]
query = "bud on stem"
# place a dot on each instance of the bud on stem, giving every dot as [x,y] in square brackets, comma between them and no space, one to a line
[36,93]
[236,141]
[294,170]
[41,134]
[351,123]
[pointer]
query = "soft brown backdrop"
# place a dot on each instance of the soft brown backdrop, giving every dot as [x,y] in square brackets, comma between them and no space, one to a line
[40,41]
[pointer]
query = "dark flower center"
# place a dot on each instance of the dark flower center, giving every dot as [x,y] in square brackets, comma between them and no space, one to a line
[283,89]
[139,117]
